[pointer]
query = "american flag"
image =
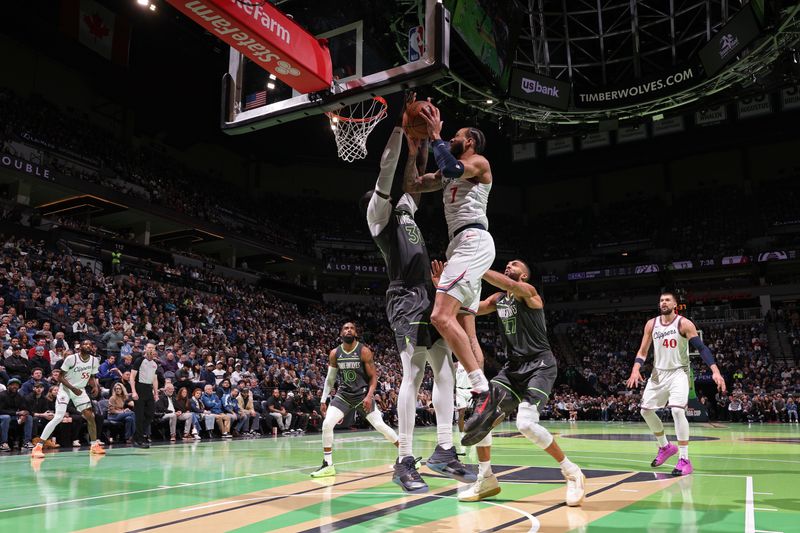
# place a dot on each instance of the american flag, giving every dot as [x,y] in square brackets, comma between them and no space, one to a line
[255,100]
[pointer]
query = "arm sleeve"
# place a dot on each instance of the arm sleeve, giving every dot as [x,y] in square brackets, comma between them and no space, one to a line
[330,379]
[378,212]
[391,154]
[447,163]
[705,353]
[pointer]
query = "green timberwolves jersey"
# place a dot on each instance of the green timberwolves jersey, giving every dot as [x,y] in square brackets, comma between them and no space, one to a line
[524,328]
[403,247]
[353,379]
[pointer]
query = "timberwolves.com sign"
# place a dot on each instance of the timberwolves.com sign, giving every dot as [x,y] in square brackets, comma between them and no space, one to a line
[637,91]
[532,87]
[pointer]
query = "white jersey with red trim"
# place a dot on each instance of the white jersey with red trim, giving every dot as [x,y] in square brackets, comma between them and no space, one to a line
[465,203]
[670,348]
[78,372]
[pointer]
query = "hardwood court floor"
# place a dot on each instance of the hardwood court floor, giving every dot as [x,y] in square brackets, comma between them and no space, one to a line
[745,479]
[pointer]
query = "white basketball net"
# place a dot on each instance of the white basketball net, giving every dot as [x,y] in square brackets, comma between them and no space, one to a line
[352,125]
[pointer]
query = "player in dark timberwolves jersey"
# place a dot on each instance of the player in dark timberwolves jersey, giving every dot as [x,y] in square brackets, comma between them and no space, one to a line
[524,382]
[358,377]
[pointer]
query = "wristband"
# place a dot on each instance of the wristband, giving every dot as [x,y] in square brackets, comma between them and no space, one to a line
[639,360]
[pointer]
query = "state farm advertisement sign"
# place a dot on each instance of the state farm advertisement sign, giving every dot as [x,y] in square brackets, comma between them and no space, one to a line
[266,36]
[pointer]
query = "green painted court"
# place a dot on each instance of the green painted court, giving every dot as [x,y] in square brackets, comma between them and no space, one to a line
[745,480]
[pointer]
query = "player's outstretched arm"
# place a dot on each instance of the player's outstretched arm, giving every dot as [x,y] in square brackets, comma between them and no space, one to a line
[368,359]
[489,305]
[520,289]
[689,330]
[641,356]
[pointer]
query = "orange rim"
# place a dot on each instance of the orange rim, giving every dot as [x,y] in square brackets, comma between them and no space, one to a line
[331,115]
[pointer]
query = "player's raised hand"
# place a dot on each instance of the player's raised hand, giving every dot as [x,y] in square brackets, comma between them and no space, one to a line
[635,380]
[433,120]
[437,267]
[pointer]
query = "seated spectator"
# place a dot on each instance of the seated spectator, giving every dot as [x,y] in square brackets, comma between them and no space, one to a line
[38,408]
[14,415]
[166,411]
[120,409]
[183,405]
[213,405]
[199,410]
[108,373]
[38,360]
[276,410]
[36,377]
[247,408]
[230,404]
[16,365]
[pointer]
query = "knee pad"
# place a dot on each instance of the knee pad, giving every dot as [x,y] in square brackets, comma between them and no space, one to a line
[528,425]
[681,423]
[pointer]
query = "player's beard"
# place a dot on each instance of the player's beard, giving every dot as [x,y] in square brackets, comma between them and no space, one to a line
[348,339]
[457,148]
[666,312]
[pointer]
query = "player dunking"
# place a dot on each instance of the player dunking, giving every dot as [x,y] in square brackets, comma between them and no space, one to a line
[408,306]
[524,382]
[353,362]
[77,371]
[668,386]
[465,178]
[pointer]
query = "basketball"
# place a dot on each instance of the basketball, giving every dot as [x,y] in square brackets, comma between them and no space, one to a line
[413,123]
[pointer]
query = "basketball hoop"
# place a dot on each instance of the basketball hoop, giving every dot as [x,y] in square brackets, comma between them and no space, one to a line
[352,125]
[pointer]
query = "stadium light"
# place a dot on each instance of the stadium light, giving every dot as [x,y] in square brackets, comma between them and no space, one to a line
[144,3]
[152,7]
[272,77]
[490,101]
[270,85]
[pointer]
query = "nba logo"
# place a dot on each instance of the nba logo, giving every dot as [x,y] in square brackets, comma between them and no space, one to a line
[416,43]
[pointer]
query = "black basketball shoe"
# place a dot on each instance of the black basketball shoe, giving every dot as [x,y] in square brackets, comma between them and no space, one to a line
[486,415]
[446,463]
[406,475]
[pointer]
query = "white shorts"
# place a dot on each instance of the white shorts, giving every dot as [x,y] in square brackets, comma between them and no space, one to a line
[463,397]
[469,255]
[65,396]
[666,388]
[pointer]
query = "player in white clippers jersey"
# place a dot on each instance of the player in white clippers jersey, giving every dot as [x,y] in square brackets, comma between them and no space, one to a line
[77,371]
[465,178]
[668,386]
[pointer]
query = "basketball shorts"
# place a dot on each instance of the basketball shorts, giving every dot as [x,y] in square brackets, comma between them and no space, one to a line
[409,312]
[469,255]
[666,388]
[346,403]
[527,381]
[463,396]
[65,396]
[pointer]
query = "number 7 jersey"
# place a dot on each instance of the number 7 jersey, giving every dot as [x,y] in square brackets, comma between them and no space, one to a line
[465,203]
[670,348]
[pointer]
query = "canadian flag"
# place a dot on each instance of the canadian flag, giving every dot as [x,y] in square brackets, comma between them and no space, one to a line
[98,28]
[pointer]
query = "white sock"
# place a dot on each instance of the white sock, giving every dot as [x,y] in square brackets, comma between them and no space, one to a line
[662,440]
[683,452]
[328,457]
[444,382]
[478,381]
[567,466]
[485,468]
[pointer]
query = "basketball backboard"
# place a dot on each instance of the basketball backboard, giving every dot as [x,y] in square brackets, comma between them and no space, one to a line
[377,47]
